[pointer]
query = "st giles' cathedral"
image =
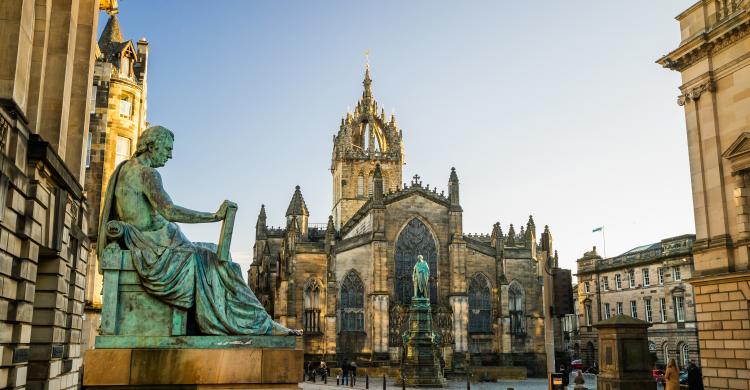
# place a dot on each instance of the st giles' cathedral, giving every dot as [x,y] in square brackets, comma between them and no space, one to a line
[348,284]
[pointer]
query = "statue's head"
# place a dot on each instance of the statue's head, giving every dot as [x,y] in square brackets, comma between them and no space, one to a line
[420,258]
[156,141]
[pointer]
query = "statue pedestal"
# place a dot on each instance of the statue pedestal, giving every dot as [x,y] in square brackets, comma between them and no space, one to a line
[420,365]
[194,362]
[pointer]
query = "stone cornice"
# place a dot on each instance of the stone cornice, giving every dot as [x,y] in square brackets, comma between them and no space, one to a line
[695,93]
[713,40]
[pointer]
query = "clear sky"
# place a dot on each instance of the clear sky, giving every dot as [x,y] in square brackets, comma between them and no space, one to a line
[550,108]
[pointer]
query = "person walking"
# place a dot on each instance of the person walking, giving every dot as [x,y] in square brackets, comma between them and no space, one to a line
[353,372]
[672,376]
[345,371]
[565,376]
[695,377]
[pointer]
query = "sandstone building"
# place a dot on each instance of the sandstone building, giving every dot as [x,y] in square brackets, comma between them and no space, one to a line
[648,283]
[713,59]
[347,283]
[118,116]
[46,64]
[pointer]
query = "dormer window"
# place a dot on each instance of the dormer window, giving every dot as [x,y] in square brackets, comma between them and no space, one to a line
[125,66]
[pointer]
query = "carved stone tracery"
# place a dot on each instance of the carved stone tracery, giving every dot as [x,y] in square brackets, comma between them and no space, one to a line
[414,240]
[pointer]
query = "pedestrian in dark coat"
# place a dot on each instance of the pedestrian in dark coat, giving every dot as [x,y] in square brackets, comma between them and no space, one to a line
[695,377]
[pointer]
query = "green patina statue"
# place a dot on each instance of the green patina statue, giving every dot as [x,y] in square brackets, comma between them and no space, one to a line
[420,277]
[171,268]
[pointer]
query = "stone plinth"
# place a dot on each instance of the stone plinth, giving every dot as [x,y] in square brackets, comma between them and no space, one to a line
[623,354]
[193,368]
[420,365]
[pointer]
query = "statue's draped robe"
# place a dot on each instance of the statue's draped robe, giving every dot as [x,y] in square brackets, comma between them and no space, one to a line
[420,276]
[186,274]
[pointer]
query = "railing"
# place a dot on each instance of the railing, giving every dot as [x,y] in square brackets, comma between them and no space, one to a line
[724,8]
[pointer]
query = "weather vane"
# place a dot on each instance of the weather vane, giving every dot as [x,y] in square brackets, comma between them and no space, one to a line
[367,59]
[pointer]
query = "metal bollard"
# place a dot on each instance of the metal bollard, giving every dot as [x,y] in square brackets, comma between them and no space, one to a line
[383,381]
[367,381]
[468,382]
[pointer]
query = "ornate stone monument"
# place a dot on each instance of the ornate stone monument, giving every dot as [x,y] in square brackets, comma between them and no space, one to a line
[420,364]
[177,312]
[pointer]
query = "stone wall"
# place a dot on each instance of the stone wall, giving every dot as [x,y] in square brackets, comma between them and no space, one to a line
[46,61]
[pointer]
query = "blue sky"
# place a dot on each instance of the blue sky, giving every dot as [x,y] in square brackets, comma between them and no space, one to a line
[549,108]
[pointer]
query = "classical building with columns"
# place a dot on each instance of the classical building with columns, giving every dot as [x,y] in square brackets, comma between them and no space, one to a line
[348,283]
[47,51]
[713,58]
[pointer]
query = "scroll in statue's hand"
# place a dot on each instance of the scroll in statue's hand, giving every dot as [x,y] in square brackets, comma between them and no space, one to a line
[222,213]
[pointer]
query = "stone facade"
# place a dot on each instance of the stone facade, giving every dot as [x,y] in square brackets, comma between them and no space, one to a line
[713,60]
[648,283]
[46,64]
[348,283]
[118,116]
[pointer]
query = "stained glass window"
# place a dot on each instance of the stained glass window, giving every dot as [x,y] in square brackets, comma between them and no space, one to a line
[516,306]
[352,303]
[480,307]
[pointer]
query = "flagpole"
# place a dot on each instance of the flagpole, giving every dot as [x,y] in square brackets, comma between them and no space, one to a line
[604,241]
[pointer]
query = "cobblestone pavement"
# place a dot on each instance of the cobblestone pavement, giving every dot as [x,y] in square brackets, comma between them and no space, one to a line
[528,384]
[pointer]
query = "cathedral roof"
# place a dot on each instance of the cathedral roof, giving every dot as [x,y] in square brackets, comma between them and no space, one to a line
[297,205]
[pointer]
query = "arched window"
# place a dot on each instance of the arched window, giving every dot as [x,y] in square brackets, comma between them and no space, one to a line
[665,352]
[414,240]
[684,355]
[352,303]
[480,307]
[370,185]
[516,308]
[361,185]
[311,318]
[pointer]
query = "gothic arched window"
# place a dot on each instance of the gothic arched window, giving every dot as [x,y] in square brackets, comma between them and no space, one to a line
[414,240]
[352,303]
[370,185]
[311,319]
[479,305]
[516,306]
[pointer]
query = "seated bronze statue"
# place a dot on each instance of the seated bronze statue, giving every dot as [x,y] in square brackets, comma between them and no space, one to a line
[201,278]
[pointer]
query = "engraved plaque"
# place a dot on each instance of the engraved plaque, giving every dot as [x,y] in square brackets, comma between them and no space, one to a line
[57,351]
[21,355]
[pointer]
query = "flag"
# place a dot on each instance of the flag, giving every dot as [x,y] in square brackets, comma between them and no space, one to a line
[597,229]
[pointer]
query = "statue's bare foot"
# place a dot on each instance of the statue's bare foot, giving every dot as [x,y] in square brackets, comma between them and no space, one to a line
[281,330]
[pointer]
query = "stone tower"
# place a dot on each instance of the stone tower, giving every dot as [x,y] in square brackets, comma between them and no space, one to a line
[117,118]
[365,139]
